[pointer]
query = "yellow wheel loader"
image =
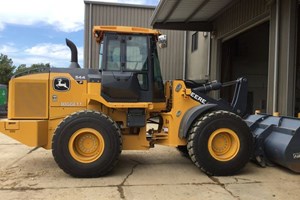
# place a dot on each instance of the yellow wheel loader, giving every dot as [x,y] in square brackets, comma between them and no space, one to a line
[88,116]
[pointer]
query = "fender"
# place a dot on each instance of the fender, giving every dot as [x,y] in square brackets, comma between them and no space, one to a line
[190,116]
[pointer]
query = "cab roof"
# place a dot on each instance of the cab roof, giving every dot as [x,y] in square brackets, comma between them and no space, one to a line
[99,31]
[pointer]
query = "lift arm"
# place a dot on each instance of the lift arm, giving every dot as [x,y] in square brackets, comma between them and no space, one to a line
[239,100]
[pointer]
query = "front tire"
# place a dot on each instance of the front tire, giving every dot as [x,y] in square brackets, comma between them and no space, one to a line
[87,144]
[220,143]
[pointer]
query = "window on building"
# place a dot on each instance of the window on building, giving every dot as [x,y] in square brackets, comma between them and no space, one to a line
[195,41]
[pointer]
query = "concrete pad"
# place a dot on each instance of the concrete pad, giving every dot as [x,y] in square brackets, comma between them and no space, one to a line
[11,154]
[162,165]
[167,174]
[39,170]
[4,140]
[254,173]
[11,151]
[160,173]
[174,192]
[275,190]
[254,182]
[103,193]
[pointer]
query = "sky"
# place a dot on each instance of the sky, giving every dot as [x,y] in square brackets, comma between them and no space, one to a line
[34,31]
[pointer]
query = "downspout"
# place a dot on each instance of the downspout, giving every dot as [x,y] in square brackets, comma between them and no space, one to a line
[90,37]
[208,56]
[276,70]
[184,56]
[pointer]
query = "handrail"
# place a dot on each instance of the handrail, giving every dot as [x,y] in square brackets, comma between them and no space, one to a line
[32,71]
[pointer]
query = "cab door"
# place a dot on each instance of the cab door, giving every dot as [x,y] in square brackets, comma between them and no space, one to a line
[125,68]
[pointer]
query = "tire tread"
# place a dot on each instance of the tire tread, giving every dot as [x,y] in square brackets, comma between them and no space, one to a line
[196,129]
[70,118]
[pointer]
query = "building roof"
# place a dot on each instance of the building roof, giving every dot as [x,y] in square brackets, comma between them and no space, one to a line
[95,2]
[196,15]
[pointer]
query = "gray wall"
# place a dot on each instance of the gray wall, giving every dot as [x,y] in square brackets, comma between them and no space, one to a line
[197,61]
[99,13]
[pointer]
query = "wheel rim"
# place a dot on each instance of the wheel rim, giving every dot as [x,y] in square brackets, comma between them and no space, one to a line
[223,144]
[86,145]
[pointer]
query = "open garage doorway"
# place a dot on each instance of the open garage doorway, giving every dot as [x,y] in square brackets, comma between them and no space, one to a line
[247,55]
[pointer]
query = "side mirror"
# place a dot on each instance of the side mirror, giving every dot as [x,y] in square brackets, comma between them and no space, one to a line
[162,41]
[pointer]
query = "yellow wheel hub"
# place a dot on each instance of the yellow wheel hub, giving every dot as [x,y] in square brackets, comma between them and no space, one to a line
[223,144]
[86,145]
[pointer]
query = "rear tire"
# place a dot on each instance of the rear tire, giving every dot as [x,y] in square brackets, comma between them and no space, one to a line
[87,144]
[220,143]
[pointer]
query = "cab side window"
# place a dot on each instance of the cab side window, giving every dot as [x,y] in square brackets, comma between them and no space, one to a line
[136,53]
[137,59]
[113,54]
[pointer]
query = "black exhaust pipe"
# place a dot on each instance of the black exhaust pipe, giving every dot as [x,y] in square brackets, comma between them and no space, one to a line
[74,54]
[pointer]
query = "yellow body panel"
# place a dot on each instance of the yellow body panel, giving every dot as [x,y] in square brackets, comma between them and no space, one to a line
[181,103]
[74,97]
[136,142]
[32,133]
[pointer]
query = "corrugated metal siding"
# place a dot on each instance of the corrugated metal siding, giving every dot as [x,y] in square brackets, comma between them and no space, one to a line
[171,58]
[240,14]
[103,14]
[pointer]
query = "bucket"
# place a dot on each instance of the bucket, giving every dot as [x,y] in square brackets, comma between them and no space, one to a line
[276,139]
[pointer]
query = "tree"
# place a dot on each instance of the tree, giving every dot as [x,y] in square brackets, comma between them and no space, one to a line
[6,69]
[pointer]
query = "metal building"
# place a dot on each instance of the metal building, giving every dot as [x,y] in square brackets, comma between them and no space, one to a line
[257,39]
[101,13]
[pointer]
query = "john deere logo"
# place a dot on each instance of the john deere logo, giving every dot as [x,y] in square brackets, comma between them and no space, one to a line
[61,84]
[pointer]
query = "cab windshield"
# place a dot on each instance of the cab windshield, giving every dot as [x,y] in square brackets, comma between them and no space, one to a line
[134,47]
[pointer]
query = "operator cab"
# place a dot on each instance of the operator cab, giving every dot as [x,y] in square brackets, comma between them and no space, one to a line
[129,64]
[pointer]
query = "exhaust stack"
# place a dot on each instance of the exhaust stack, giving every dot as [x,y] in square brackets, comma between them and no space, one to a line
[74,54]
